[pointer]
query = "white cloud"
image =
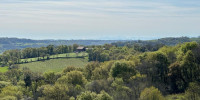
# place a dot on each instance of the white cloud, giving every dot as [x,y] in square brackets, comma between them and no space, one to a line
[91,9]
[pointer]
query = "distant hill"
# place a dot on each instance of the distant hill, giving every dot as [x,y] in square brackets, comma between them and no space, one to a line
[169,41]
[16,43]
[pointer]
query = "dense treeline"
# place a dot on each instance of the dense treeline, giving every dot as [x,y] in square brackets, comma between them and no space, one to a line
[170,41]
[154,45]
[10,57]
[113,52]
[15,43]
[118,73]
[109,52]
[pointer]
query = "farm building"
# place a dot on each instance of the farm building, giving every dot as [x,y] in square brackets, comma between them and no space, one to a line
[80,49]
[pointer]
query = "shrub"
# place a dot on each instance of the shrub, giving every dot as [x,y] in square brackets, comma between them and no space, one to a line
[151,93]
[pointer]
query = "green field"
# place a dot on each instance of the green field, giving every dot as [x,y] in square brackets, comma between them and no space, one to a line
[175,97]
[65,55]
[55,65]
[3,69]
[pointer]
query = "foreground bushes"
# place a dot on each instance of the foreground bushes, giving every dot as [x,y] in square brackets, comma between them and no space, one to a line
[151,93]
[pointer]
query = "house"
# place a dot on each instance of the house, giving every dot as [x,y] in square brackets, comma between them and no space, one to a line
[80,49]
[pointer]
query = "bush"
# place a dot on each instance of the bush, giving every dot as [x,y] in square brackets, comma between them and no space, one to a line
[193,91]
[88,95]
[11,92]
[56,92]
[123,70]
[73,77]
[151,93]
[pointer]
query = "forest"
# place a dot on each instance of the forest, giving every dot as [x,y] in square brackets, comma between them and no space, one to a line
[140,70]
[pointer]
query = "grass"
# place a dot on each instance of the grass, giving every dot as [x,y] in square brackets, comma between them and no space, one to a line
[175,97]
[65,55]
[3,69]
[54,65]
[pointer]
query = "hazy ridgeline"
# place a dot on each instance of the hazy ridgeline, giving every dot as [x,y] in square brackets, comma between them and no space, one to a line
[15,43]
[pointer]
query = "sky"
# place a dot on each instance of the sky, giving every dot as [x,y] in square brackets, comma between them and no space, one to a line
[99,19]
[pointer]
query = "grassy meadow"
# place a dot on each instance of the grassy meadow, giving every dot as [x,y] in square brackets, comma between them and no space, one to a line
[54,65]
[3,69]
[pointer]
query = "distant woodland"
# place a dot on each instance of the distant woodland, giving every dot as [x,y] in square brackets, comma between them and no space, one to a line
[16,43]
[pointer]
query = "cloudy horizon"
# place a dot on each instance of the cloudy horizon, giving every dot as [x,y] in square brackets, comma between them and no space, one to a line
[99,19]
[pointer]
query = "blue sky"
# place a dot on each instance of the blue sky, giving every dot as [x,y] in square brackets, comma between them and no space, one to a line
[99,19]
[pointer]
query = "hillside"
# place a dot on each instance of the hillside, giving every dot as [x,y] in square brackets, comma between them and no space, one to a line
[169,41]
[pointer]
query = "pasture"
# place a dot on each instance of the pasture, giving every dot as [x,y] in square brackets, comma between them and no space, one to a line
[54,65]
[3,69]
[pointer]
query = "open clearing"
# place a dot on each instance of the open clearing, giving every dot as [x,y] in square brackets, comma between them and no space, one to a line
[54,65]
[3,69]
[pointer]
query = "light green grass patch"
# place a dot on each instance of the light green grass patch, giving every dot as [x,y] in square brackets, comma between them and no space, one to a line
[175,97]
[3,69]
[54,65]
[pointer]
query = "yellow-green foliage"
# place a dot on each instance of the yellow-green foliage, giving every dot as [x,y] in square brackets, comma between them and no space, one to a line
[102,72]
[73,77]
[3,69]
[121,91]
[4,84]
[151,93]
[50,77]
[138,76]
[56,92]
[89,68]
[88,95]
[103,96]
[11,92]
[9,98]
[175,97]
[54,64]
[123,69]
[68,69]
[185,48]
[193,91]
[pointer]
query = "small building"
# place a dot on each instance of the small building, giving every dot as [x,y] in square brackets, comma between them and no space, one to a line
[80,49]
